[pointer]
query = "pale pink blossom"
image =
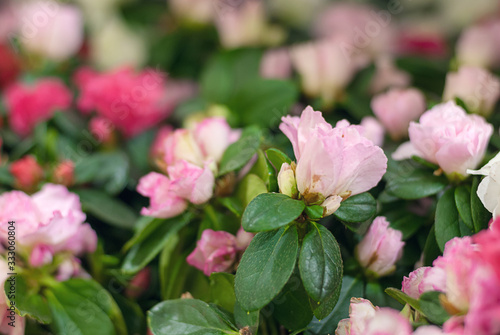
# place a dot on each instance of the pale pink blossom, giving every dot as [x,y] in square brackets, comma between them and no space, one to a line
[192,182]
[332,163]
[448,137]
[475,86]
[424,279]
[243,239]
[397,108]
[214,252]
[428,330]
[213,135]
[380,248]
[54,30]
[28,105]
[276,64]
[479,45]
[373,130]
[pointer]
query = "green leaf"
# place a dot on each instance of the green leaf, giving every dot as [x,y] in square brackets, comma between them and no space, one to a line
[432,308]
[233,204]
[151,244]
[246,319]
[265,267]
[187,317]
[260,167]
[403,298]
[351,287]
[406,181]
[222,290]
[408,224]
[270,211]
[480,215]
[447,225]
[74,313]
[106,208]
[431,249]
[250,187]
[314,212]
[6,178]
[277,158]
[291,307]
[320,264]
[463,203]
[264,101]
[357,208]
[240,152]
[28,302]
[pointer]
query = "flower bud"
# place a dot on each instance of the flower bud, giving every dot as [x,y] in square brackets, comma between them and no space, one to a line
[27,173]
[139,284]
[286,180]
[380,249]
[41,255]
[64,173]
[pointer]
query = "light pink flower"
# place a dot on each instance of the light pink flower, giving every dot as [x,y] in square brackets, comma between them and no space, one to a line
[448,137]
[397,108]
[192,182]
[380,248]
[324,70]
[373,130]
[213,135]
[276,64]
[48,222]
[428,330]
[424,279]
[479,45]
[132,102]
[214,252]
[28,105]
[476,87]
[243,239]
[332,163]
[51,29]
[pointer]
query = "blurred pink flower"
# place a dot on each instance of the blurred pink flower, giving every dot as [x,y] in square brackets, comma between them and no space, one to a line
[52,29]
[64,173]
[276,64]
[422,44]
[380,248]
[387,75]
[48,222]
[27,173]
[214,252]
[132,102]
[397,108]
[448,137]
[28,105]
[139,284]
[243,239]
[475,86]
[373,130]
[102,129]
[332,163]
[479,45]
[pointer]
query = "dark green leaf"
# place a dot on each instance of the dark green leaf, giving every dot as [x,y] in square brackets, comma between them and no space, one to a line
[233,204]
[222,290]
[357,208]
[270,211]
[446,226]
[277,158]
[431,249]
[108,209]
[314,212]
[403,298]
[408,224]
[187,317]
[265,267]
[27,301]
[432,308]
[480,215]
[240,152]
[463,203]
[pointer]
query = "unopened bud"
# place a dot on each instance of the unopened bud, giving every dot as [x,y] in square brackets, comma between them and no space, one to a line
[286,181]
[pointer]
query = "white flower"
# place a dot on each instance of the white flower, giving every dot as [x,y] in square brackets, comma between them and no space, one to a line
[489,188]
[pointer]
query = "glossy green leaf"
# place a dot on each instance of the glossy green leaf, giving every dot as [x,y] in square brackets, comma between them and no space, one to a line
[240,152]
[403,298]
[463,203]
[187,317]
[480,215]
[314,212]
[222,290]
[265,267]
[277,158]
[432,308]
[270,211]
[447,225]
[357,208]
[250,187]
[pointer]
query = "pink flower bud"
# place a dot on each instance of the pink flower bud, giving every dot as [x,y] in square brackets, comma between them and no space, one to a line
[139,284]
[276,64]
[102,129]
[243,239]
[27,173]
[381,248]
[64,173]
[214,252]
[29,105]
[41,255]
[476,87]
[286,181]
[397,108]
[448,137]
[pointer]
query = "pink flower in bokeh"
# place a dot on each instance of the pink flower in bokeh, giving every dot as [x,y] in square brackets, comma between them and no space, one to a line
[64,173]
[479,45]
[373,130]
[332,163]
[447,136]
[28,105]
[27,173]
[397,108]
[387,75]
[132,102]
[380,248]
[215,252]
[276,64]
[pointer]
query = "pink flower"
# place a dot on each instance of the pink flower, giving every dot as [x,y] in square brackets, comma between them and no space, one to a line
[397,108]
[29,105]
[10,65]
[373,130]
[332,163]
[387,75]
[132,102]
[139,284]
[102,129]
[214,252]
[381,248]
[324,70]
[64,173]
[276,64]
[476,87]
[51,29]
[27,173]
[243,239]
[448,137]
[422,43]
[428,330]
[192,182]
[213,135]
[424,279]
[479,45]
[49,222]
